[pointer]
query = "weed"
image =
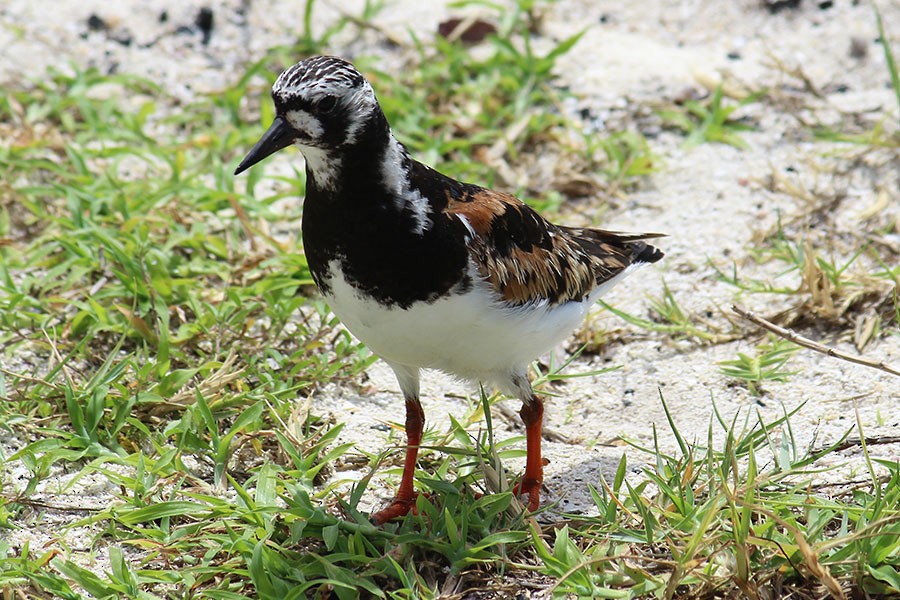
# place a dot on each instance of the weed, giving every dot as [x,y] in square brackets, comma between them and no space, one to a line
[476,113]
[710,120]
[670,318]
[312,42]
[878,136]
[832,288]
[628,157]
[888,55]
[723,516]
[767,364]
[875,137]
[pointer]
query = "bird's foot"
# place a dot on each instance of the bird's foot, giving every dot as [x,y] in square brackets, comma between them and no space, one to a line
[530,489]
[397,508]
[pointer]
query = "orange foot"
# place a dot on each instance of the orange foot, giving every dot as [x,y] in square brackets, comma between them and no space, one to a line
[396,509]
[531,488]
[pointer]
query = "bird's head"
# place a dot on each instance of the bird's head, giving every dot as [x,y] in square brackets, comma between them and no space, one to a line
[322,104]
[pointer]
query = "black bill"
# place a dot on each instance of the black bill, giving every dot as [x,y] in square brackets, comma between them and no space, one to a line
[279,135]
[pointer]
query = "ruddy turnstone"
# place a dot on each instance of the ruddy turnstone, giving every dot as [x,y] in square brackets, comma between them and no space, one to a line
[427,271]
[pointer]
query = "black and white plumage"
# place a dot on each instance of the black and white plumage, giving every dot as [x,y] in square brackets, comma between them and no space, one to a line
[427,271]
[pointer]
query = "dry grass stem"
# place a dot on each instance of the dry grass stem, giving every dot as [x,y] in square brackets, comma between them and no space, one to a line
[798,339]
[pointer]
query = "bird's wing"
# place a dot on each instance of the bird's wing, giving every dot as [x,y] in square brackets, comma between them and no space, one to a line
[527,259]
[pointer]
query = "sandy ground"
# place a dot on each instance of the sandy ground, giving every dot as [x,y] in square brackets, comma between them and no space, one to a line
[712,200]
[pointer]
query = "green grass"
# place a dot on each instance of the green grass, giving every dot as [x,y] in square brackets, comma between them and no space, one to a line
[766,364]
[889,58]
[886,133]
[668,317]
[158,326]
[710,119]
[628,158]
[821,283]
[464,110]
[726,521]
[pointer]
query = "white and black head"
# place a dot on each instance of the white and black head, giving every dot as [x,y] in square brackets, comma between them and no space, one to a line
[322,103]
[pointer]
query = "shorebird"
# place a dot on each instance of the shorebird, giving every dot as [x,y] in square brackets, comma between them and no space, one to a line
[427,271]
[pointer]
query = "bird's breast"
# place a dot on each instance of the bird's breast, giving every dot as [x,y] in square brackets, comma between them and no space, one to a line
[378,253]
[465,332]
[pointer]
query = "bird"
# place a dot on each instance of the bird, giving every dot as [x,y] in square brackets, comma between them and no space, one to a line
[427,271]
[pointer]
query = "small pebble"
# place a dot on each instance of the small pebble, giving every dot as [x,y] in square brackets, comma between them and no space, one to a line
[776,6]
[95,23]
[204,22]
[859,48]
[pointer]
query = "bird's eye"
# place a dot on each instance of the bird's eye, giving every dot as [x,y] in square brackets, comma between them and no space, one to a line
[326,104]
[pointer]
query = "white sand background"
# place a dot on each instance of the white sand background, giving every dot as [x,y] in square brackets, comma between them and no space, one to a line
[711,200]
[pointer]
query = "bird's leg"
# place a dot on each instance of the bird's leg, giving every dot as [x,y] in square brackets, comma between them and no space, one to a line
[532,414]
[405,499]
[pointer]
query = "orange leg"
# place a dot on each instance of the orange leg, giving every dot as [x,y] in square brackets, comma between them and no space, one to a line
[405,499]
[532,414]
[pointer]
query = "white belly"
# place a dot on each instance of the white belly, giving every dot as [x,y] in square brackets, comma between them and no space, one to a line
[470,335]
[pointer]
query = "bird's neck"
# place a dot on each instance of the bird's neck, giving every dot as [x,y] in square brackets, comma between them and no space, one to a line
[359,158]
[373,170]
